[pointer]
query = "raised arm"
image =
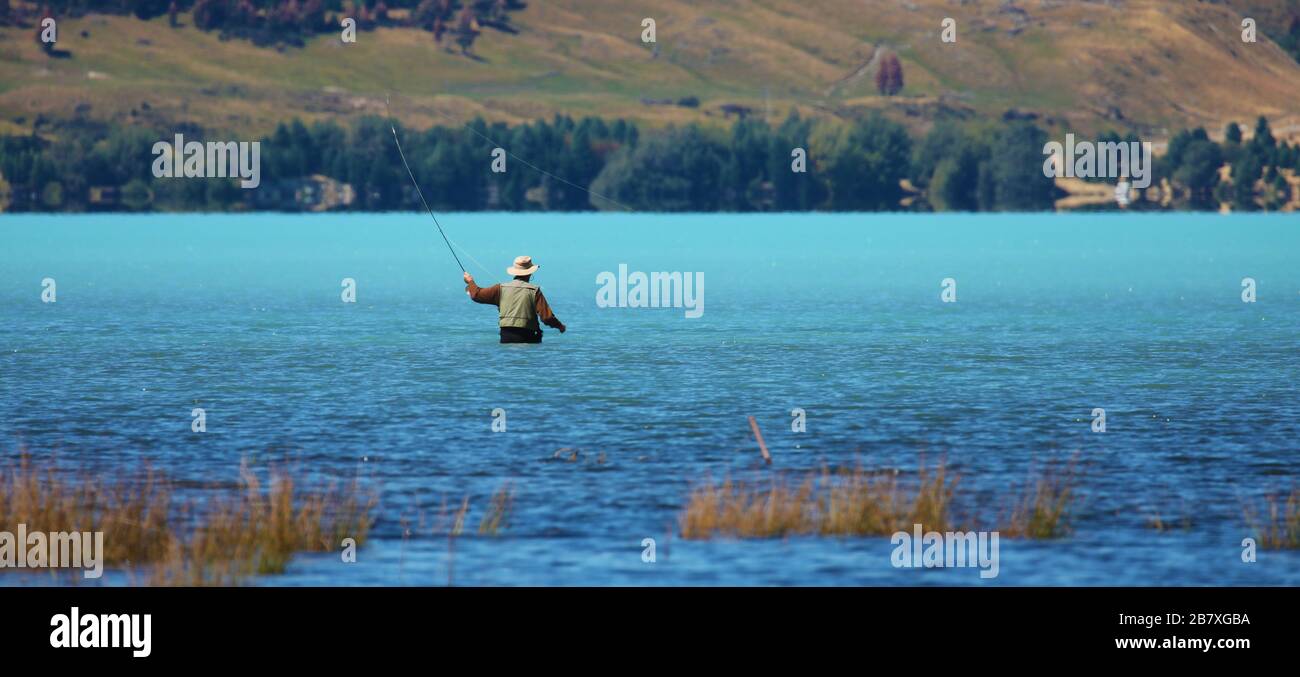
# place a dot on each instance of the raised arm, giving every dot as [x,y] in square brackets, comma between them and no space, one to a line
[490,296]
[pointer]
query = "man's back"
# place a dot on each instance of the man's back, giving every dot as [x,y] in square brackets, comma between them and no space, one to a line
[520,304]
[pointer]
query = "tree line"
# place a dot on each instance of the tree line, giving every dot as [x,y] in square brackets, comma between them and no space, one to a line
[1257,179]
[292,22]
[563,164]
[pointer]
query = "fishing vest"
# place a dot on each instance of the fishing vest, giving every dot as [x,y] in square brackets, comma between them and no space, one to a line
[519,304]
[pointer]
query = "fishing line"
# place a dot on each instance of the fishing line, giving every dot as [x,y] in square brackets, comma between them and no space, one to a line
[471,256]
[452,245]
[417,187]
[528,164]
[539,170]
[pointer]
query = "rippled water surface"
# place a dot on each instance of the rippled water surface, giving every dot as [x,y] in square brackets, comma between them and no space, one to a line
[839,315]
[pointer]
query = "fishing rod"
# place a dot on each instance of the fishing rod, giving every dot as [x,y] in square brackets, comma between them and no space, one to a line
[417,186]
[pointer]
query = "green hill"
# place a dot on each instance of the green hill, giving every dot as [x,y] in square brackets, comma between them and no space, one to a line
[1138,65]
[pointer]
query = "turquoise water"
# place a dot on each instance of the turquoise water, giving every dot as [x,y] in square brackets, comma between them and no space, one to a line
[839,315]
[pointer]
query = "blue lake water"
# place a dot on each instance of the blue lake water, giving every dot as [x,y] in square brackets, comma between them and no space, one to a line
[839,315]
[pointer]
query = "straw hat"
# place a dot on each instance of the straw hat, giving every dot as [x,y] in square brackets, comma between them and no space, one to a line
[523,266]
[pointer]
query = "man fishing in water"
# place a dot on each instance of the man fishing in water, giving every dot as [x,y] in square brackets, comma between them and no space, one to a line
[520,302]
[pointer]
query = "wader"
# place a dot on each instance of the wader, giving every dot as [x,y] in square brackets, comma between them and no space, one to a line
[518,308]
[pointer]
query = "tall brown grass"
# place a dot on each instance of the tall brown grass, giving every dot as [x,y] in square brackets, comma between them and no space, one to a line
[254,531]
[856,502]
[846,502]
[1044,510]
[498,511]
[257,532]
[1280,529]
[451,522]
[134,514]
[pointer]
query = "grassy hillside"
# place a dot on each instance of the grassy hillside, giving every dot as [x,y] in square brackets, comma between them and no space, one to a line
[1143,65]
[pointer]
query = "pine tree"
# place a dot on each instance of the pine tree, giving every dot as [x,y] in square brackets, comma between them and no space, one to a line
[1232,133]
[1263,135]
[209,14]
[889,77]
[896,71]
[466,29]
[423,14]
[312,16]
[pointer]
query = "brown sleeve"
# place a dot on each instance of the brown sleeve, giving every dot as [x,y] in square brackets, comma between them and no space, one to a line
[544,312]
[490,296]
